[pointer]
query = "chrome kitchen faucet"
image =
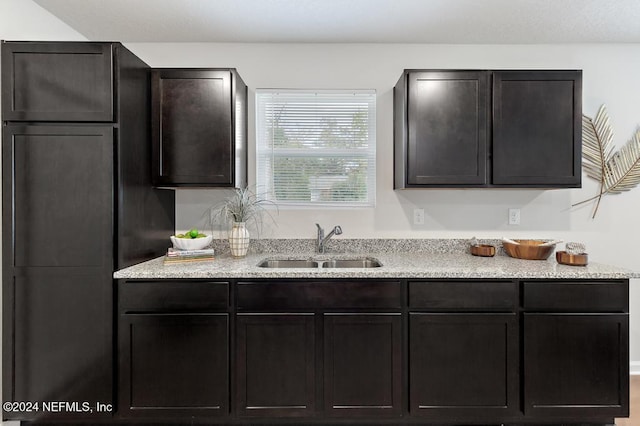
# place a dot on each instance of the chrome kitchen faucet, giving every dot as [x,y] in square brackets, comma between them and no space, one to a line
[322,239]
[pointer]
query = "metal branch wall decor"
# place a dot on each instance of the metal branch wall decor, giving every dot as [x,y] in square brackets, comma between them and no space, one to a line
[615,172]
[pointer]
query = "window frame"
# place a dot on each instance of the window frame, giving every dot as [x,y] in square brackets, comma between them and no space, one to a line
[265,179]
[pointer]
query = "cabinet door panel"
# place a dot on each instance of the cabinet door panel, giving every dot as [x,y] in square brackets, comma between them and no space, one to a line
[57,81]
[175,364]
[537,127]
[60,182]
[447,113]
[463,366]
[362,364]
[193,134]
[62,344]
[276,365]
[576,365]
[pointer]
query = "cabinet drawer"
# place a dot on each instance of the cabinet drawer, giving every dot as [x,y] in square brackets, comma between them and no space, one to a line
[282,295]
[173,296]
[598,296]
[463,295]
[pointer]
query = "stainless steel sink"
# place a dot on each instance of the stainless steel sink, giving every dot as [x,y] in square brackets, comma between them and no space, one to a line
[351,263]
[330,263]
[292,263]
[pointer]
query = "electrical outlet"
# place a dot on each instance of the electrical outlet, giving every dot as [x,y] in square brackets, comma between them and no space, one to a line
[418,216]
[514,216]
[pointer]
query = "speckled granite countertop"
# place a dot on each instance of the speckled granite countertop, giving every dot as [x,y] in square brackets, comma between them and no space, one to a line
[398,261]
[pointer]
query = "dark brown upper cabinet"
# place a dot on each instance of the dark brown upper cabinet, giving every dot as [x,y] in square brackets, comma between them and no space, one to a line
[51,81]
[441,117]
[199,128]
[482,129]
[537,128]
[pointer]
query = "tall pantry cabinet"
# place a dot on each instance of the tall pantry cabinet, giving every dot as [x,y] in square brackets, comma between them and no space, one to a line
[77,204]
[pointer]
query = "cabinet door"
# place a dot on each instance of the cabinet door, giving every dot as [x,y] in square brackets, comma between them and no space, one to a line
[362,364]
[60,345]
[58,196]
[174,365]
[463,366]
[576,365]
[193,134]
[57,81]
[537,128]
[447,128]
[57,267]
[275,365]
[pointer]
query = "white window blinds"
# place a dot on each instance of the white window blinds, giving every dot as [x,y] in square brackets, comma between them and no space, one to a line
[316,147]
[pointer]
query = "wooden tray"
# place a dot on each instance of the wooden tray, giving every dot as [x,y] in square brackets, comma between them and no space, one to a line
[572,259]
[484,250]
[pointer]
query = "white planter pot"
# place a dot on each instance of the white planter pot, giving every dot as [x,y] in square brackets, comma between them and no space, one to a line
[239,239]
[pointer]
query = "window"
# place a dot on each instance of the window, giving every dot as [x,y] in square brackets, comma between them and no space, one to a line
[316,148]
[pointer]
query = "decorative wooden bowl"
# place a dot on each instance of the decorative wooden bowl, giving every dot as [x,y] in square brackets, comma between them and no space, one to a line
[528,249]
[572,259]
[484,250]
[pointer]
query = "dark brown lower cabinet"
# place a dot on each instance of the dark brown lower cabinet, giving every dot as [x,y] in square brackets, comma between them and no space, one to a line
[463,366]
[576,365]
[459,352]
[176,364]
[275,365]
[362,364]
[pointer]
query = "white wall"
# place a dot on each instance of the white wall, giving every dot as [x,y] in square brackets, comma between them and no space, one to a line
[610,76]
[25,20]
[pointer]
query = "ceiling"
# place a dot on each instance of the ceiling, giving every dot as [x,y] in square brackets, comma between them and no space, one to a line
[353,21]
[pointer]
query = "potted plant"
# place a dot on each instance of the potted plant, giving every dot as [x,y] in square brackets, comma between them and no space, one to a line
[242,207]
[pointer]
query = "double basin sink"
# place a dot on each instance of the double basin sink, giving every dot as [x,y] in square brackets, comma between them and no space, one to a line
[366,262]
